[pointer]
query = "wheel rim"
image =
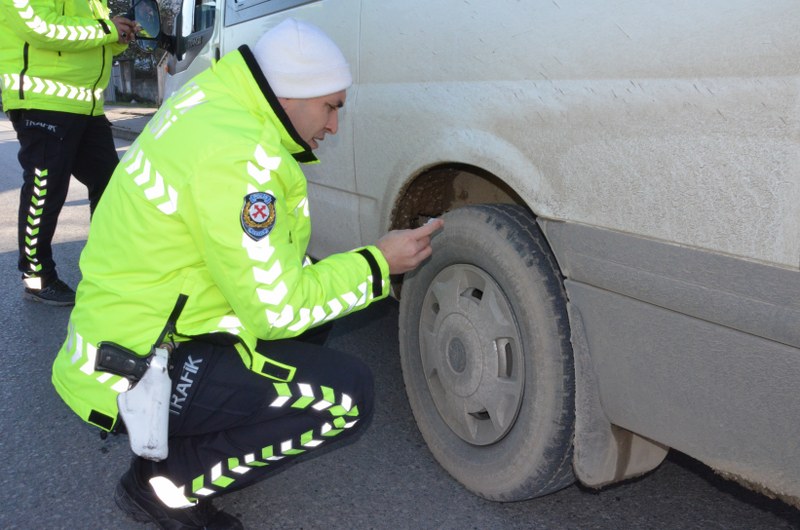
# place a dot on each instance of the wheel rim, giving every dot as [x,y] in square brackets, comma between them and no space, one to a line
[471,353]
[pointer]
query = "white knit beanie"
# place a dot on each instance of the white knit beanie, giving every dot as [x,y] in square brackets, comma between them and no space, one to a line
[300,61]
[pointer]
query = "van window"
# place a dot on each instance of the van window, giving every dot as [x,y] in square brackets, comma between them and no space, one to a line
[204,15]
[239,11]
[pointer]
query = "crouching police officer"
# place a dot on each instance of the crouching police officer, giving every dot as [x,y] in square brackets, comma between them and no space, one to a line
[198,248]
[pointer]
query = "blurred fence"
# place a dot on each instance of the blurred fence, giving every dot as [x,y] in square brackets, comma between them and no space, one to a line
[129,84]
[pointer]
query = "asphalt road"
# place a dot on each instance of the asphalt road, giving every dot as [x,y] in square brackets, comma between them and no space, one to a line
[58,473]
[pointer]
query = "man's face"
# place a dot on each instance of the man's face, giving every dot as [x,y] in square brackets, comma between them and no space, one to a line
[315,117]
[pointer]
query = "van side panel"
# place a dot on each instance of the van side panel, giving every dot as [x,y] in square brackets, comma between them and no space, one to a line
[698,351]
[609,118]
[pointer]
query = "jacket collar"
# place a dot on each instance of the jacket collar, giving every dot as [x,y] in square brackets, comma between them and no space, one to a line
[299,149]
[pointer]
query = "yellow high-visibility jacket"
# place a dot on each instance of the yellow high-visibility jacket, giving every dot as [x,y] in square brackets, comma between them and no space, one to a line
[209,202]
[56,54]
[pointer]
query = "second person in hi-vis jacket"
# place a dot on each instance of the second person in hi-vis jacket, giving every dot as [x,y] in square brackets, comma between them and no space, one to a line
[55,62]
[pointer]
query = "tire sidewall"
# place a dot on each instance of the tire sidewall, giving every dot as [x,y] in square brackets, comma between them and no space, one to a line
[538,439]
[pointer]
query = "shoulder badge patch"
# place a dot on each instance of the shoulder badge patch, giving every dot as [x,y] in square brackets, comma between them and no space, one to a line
[258,215]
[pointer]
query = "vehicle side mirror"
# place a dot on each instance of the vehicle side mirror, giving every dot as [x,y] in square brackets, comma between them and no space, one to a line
[145,13]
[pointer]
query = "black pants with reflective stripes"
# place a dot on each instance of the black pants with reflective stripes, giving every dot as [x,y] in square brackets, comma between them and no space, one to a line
[54,146]
[230,427]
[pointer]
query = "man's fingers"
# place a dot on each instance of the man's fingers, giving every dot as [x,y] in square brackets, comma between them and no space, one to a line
[126,28]
[428,228]
[405,249]
[422,238]
[423,255]
[418,246]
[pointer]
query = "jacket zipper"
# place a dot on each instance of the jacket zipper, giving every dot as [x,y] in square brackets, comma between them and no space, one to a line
[24,69]
[94,87]
[103,62]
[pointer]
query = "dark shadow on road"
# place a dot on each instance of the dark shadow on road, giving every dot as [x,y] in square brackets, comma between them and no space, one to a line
[761,502]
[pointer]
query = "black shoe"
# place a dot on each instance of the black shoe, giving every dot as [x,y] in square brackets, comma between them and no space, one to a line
[54,293]
[140,503]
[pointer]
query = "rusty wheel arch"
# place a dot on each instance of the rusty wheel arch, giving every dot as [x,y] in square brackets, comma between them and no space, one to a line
[446,187]
[442,188]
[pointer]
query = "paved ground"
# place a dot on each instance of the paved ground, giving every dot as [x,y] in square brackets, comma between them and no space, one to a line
[128,121]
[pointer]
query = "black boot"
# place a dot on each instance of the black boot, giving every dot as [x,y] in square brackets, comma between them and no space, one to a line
[55,292]
[137,499]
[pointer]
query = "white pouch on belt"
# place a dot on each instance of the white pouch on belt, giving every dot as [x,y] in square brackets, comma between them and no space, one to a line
[145,409]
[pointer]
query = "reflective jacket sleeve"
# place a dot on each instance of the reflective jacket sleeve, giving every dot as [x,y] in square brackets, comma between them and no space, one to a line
[272,289]
[38,22]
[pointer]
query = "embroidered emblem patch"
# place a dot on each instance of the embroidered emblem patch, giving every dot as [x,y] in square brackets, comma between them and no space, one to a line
[258,215]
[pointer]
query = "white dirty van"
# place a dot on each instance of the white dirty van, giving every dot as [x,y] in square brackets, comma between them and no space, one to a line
[620,270]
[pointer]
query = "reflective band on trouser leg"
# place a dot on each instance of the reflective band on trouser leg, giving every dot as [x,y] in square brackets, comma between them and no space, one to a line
[342,414]
[34,218]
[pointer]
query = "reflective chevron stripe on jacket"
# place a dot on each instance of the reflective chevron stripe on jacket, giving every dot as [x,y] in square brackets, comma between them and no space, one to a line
[56,55]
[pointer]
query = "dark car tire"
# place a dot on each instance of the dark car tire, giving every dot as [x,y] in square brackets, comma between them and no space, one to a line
[486,355]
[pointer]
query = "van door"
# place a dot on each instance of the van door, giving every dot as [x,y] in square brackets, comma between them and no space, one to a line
[194,26]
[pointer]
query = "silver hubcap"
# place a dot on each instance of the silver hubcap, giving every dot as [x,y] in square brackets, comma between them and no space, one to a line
[471,353]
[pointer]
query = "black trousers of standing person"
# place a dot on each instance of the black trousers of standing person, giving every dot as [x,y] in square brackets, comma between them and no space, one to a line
[230,427]
[52,147]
